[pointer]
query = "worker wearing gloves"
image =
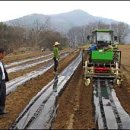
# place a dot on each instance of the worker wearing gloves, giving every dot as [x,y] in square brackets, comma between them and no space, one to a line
[56,56]
[3,79]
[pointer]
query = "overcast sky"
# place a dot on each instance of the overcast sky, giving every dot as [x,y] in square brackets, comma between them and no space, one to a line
[117,10]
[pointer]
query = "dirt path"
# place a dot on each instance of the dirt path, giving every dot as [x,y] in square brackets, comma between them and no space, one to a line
[76,109]
[17,100]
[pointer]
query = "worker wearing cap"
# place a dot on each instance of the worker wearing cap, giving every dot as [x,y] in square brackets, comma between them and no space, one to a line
[56,56]
[3,79]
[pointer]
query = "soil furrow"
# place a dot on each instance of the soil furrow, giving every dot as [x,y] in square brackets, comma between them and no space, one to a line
[75,105]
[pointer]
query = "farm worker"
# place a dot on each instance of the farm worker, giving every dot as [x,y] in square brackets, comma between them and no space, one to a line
[3,79]
[93,47]
[56,56]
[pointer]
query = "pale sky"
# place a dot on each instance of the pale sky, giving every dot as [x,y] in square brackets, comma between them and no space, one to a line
[117,10]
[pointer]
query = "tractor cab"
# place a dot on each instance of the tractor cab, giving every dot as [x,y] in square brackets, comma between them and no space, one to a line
[102,38]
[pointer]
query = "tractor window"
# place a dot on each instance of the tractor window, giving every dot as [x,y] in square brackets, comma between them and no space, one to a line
[104,36]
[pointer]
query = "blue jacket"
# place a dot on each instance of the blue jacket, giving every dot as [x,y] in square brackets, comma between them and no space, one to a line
[93,47]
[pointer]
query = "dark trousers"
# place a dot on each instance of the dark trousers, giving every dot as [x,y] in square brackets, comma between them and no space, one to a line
[2,96]
[55,64]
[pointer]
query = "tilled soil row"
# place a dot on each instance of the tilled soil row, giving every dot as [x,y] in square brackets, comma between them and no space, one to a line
[123,92]
[19,73]
[12,57]
[17,100]
[75,109]
[25,71]
[32,61]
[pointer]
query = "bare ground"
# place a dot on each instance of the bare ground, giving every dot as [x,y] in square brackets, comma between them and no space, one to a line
[30,62]
[25,71]
[27,54]
[22,56]
[17,100]
[123,92]
[76,109]
[13,75]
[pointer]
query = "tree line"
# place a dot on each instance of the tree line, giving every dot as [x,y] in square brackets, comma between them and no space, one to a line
[42,36]
[78,35]
[14,37]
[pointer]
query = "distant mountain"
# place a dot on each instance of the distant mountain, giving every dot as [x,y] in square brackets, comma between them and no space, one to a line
[28,20]
[61,22]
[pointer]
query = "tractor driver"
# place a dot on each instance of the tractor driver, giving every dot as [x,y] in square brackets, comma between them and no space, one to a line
[93,47]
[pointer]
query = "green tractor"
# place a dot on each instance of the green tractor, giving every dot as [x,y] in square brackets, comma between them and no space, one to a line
[103,58]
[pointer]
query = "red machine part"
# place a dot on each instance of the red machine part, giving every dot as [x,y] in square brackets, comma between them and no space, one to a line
[101,69]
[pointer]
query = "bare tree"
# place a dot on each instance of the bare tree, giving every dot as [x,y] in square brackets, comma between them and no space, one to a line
[102,25]
[50,36]
[38,28]
[121,30]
